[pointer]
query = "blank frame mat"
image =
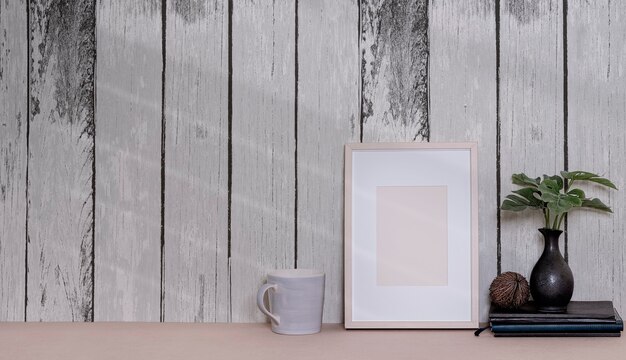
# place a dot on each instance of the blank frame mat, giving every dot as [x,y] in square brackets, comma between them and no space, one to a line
[400,179]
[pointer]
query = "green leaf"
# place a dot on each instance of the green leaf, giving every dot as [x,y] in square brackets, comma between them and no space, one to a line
[603,181]
[587,176]
[549,190]
[511,205]
[529,194]
[518,199]
[523,180]
[595,203]
[578,193]
[564,203]
[556,201]
[557,179]
[577,175]
[515,202]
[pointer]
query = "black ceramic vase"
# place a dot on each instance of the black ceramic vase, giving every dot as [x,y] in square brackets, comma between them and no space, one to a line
[551,281]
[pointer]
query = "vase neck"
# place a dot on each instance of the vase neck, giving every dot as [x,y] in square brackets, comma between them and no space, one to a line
[551,239]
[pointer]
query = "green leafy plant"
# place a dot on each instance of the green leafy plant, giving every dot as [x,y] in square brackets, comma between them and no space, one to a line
[554,195]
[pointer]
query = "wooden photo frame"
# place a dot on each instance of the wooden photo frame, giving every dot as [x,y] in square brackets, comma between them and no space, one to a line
[411,235]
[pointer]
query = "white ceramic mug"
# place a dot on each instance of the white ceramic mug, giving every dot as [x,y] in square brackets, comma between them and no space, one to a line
[296,299]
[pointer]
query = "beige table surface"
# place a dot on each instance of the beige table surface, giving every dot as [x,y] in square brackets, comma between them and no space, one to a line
[256,341]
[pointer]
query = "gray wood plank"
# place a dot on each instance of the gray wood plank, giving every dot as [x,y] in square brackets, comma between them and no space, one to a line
[61,150]
[596,113]
[531,116]
[128,161]
[462,83]
[13,158]
[394,70]
[196,162]
[263,148]
[328,117]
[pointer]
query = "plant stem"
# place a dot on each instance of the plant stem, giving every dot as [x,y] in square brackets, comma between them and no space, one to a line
[561,220]
[556,222]
[547,218]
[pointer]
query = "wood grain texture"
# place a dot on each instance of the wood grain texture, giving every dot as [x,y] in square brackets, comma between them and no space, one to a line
[263,148]
[531,115]
[394,70]
[463,105]
[286,176]
[60,196]
[328,117]
[13,158]
[196,162]
[128,161]
[597,109]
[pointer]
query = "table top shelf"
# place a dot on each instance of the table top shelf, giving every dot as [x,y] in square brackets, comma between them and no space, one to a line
[156,341]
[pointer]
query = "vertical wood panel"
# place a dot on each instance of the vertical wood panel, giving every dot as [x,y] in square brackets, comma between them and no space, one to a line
[328,117]
[462,87]
[394,70]
[13,153]
[128,161]
[60,223]
[196,162]
[263,148]
[531,115]
[597,109]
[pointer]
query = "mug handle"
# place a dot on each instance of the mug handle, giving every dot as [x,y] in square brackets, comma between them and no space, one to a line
[259,302]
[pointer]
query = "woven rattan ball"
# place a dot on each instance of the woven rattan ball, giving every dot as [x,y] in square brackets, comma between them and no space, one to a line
[509,290]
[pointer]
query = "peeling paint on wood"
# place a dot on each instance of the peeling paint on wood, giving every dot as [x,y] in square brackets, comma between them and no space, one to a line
[463,105]
[263,148]
[597,109]
[524,11]
[191,11]
[328,113]
[531,113]
[394,70]
[13,158]
[196,164]
[128,161]
[60,218]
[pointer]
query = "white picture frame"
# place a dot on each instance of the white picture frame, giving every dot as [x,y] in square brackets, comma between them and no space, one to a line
[411,235]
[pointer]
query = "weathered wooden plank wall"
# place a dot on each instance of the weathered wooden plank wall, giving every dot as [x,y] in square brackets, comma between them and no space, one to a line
[394,70]
[328,117]
[263,148]
[61,154]
[13,153]
[196,162]
[596,53]
[128,160]
[211,148]
[530,115]
[463,104]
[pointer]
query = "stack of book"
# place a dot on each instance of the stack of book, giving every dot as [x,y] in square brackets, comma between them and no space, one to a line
[582,318]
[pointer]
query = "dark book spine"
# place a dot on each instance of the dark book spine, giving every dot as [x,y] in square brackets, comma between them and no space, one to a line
[580,327]
[519,321]
[560,334]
